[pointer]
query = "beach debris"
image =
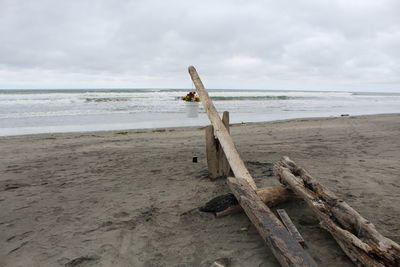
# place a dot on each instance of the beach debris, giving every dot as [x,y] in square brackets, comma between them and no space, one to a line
[219,203]
[357,237]
[283,245]
[285,248]
[344,115]
[290,226]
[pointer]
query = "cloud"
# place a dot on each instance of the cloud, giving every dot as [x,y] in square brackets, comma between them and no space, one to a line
[305,44]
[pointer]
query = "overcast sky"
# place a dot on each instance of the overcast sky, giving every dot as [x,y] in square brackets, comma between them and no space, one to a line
[280,44]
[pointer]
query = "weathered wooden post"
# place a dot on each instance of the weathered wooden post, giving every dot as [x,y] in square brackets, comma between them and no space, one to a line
[218,165]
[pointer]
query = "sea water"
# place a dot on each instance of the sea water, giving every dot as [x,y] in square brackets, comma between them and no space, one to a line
[51,111]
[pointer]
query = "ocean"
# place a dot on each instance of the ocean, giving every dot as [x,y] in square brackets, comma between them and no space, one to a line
[52,111]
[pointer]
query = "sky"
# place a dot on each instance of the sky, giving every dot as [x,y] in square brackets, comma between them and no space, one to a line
[294,45]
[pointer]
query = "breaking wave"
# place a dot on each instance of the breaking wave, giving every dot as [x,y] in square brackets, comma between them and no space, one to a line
[231,98]
[108,99]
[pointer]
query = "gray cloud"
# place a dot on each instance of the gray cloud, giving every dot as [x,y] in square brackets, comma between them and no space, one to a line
[305,44]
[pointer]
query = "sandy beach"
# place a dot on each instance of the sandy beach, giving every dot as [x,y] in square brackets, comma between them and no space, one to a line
[129,198]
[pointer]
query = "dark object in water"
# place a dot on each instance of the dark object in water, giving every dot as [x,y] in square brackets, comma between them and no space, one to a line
[219,203]
[344,115]
[194,159]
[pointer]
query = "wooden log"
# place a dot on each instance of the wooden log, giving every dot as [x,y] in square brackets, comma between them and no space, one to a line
[357,237]
[211,153]
[290,226]
[236,163]
[273,195]
[287,251]
[227,204]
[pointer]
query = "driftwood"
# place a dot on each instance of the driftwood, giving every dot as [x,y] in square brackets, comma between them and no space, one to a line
[287,251]
[218,165]
[290,226]
[358,237]
[227,204]
[220,131]
[285,248]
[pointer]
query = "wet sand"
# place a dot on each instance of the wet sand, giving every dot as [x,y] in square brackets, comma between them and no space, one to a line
[129,198]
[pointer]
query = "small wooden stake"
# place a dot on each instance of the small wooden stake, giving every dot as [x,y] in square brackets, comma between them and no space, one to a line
[290,226]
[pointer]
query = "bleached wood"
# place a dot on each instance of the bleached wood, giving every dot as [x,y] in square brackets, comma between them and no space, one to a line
[358,237]
[232,155]
[285,248]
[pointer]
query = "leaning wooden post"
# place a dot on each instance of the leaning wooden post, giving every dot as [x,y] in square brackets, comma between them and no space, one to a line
[285,248]
[218,165]
[220,131]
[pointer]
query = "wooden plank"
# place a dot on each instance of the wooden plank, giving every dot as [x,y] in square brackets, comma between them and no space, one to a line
[357,237]
[211,153]
[236,163]
[285,248]
[223,164]
[290,226]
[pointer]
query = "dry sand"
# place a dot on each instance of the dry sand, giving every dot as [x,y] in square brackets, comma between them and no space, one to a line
[119,198]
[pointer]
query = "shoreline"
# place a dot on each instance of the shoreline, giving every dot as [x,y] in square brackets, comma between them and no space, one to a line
[162,129]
